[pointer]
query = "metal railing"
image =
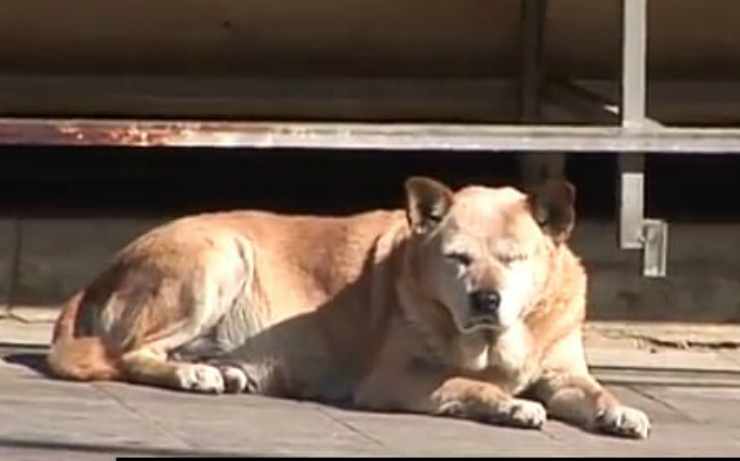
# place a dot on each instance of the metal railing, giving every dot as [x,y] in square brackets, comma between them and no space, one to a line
[631,137]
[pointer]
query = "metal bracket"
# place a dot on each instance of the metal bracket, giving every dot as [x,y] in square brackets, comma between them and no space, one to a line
[631,209]
[655,251]
[635,231]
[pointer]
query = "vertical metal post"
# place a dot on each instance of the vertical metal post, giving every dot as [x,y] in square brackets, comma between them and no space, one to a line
[636,232]
[632,166]
[634,52]
[631,200]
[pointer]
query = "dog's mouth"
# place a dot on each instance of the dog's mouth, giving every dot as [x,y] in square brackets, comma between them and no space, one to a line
[478,323]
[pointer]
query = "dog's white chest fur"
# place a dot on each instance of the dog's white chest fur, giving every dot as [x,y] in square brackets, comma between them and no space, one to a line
[510,350]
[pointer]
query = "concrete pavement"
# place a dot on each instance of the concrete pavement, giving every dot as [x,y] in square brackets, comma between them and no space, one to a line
[693,398]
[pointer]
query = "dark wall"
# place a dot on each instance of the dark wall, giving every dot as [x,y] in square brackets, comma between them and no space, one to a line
[132,181]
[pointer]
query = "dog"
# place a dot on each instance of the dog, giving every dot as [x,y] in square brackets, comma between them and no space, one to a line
[465,304]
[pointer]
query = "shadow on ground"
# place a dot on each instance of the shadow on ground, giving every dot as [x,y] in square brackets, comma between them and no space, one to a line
[32,357]
[114,449]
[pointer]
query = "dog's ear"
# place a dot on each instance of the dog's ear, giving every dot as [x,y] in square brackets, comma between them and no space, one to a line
[428,202]
[552,206]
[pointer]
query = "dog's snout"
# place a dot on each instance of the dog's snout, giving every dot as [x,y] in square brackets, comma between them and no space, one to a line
[486,301]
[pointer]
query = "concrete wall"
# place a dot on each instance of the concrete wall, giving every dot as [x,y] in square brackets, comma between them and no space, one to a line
[350,59]
[355,37]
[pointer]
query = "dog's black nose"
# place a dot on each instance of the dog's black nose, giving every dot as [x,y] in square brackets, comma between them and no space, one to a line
[486,301]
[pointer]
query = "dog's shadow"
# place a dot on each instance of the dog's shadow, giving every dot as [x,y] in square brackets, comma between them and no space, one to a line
[29,356]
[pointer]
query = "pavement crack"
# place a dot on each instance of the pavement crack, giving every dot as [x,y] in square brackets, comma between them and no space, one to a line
[351,427]
[131,409]
[705,342]
[549,435]
[661,402]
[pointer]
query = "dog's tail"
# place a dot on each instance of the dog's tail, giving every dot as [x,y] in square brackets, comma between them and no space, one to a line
[79,358]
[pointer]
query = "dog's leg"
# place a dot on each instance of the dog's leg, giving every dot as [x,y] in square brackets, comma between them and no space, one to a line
[579,399]
[149,362]
[149,366]
[483,401]
[452,396]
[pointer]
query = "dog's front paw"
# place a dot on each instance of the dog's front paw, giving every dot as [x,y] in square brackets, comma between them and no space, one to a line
[238,376]
[200,378]
[514,412]
[624,421]
[527,414]
[236,379]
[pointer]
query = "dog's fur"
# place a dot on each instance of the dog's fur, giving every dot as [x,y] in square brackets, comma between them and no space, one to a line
[375,309]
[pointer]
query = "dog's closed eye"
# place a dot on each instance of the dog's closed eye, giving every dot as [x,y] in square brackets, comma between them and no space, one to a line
[463,259]
[509,258]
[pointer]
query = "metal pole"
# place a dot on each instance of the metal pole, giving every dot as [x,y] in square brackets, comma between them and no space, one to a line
[631,166]
[634,72]
[635,231]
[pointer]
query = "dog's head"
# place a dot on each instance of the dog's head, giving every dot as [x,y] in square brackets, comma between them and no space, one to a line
[484,253]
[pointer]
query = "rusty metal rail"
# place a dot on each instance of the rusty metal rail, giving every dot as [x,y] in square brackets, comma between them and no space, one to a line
[484,138]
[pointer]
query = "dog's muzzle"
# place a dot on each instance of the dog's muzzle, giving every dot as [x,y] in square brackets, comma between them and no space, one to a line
[484,305]
[485,302]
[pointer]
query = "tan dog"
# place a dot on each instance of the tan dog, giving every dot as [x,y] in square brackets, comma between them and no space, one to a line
[457,307]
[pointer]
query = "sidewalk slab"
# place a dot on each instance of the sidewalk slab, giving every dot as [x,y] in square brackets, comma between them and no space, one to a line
[660,412]
[677,430]
[666,439]
[252,423]
[695,360]
[40,416]
[37,314]
[718,407]
[38,411]
[422,435]
[13,332]
[100,419]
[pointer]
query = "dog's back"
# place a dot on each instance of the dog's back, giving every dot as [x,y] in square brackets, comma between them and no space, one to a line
[286,288]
